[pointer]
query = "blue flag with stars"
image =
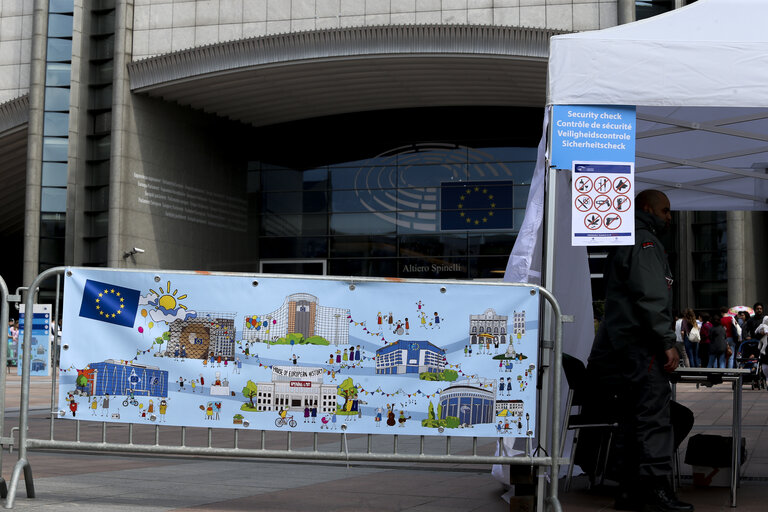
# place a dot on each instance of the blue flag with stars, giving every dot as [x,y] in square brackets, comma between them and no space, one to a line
[470,205]
[109,303]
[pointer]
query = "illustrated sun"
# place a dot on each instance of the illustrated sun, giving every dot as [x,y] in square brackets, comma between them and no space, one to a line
[168,301]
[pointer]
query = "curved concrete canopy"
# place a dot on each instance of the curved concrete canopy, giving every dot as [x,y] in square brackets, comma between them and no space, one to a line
[14,116]
[275,79]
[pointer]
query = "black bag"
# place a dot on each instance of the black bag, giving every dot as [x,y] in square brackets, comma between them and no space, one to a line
[712,451]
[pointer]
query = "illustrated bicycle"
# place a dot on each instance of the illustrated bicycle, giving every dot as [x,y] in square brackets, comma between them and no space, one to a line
[288,420]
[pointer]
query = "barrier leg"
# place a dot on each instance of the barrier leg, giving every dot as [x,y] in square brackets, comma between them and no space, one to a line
[3,488]
[21,465]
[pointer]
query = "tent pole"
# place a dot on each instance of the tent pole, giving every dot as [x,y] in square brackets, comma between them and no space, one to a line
[548,281]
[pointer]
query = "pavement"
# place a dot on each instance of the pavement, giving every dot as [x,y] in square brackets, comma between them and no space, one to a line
[84,481]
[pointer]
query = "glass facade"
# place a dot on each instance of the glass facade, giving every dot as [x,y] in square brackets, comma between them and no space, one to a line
[53,196]
[425,210]
[710,260]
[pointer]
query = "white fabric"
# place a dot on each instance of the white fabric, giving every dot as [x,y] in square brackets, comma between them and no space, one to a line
[710,53]
[697,76]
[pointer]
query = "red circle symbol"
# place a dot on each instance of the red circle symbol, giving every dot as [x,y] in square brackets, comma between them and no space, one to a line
[593,221]
[583,184]
[603,185]
[583,203]
[622,203]
[612,221]
[622,185]
[602,203]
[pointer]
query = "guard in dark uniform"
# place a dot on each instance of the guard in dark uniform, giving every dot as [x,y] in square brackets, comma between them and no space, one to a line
[633,353]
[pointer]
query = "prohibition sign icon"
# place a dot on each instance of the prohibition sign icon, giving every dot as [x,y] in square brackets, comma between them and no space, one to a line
[612,221]
[603,185]
[593,221]
[602,203]
[622,203]
[583,203]
[583,184]
[621,185]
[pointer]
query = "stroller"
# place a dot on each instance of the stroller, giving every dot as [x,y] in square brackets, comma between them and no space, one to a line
[749,358]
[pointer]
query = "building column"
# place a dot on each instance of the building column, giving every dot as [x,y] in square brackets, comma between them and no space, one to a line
[35,142]
[737,257]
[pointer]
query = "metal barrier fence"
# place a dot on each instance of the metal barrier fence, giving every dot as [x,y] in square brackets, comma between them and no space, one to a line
[422,449]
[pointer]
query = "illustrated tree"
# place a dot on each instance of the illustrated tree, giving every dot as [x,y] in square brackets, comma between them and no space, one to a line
[249,391]
[439,411]
[160,340]
[81,381]
[347,390]
[431,411]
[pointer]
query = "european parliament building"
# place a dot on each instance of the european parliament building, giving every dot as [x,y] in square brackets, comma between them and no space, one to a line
[390,138]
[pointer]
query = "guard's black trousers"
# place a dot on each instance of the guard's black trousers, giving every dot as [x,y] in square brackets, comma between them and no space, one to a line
[634,391]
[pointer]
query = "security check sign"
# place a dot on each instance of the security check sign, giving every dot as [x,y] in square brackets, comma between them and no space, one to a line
[602,197]
[597,143]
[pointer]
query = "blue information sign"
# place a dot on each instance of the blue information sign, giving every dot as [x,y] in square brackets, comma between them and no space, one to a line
[592,133]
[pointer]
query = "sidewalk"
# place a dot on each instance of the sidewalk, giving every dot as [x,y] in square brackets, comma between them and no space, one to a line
[83,481]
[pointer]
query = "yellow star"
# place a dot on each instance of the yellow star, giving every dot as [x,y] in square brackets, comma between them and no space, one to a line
[101,294]
[469,220]
[477,222]
[485,219]
[490,196]
[485,191]
[118,312]
[101,312]
[113,315]
[118,294]
[468,191]
[112,290]
[106,291]
[461,206]
[97,301]
[98,307]
[121,299]
[122,305]
[490,214]
[477,189]
[462,197]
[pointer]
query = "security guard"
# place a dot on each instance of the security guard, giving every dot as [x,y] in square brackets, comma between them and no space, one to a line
[633,352]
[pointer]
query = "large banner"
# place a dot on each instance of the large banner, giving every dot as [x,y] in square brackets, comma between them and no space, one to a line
[299,353]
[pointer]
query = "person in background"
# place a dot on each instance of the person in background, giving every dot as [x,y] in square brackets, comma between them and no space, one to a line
[691,349]
[731,335]
[706,327]
[717,343]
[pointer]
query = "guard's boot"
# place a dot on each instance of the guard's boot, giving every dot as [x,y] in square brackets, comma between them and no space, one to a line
[656,495]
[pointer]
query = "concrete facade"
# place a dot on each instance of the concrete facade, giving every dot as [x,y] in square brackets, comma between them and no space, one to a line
[163,26]
[167,175]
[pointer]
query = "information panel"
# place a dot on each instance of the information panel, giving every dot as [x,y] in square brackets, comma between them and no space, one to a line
[299,353]
[40,340]
[602,197]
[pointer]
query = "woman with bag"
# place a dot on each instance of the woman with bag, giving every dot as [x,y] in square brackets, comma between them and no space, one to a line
[691,337]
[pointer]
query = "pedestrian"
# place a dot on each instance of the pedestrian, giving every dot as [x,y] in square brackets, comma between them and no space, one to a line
[689,333]
[632,356]
[718,344]
[706,327]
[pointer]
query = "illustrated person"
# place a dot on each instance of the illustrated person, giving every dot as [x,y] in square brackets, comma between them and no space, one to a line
[163,408]
[632,356]
[105,405]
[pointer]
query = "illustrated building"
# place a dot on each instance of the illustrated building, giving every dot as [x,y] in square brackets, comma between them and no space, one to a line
[470,403]
[200,336]
[118,377]
[409,357]
[518,323]
[300,313]
[488,326]
[294,388]
[515,407]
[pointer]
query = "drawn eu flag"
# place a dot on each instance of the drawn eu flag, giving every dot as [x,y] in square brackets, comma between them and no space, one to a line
[109,303]
[472,205]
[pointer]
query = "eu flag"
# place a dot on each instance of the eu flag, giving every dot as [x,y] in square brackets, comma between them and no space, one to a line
[109,303]
[469,205]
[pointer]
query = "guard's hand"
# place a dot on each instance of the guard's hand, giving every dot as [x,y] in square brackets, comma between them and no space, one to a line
[673,359]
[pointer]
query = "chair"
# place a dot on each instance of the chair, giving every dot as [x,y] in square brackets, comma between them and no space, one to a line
[576,376]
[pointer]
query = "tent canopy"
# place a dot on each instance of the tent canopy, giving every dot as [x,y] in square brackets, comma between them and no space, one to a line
[698,77]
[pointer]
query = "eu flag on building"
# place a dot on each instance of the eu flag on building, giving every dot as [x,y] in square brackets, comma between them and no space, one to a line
[109,303]
[470,205]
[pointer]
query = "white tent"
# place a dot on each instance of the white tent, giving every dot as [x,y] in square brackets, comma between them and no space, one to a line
[699,78]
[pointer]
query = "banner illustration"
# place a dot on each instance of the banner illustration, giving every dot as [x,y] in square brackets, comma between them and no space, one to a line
[297,353]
